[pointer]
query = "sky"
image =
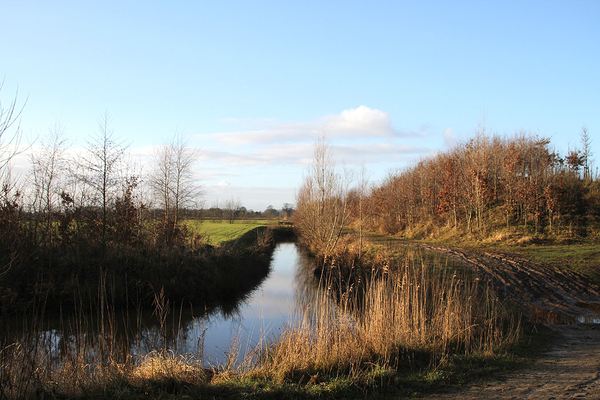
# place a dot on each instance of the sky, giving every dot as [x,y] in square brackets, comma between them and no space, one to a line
[253,84]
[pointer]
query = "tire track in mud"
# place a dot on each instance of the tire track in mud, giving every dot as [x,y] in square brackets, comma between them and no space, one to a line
[563,300]
[545,293]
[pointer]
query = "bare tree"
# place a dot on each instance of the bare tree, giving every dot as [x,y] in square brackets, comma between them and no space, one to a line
[363,183]
[232,209]
[480,188]
[48,164]
[10,197]
[173,180]
[10,132]
[586,144]
[287,211]
[322,210]
[101,168]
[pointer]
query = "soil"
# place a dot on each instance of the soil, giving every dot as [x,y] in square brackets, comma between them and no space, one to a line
[563,300]
[571,370]
[546,294]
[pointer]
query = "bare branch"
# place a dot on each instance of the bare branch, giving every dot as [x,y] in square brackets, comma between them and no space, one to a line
[9,142]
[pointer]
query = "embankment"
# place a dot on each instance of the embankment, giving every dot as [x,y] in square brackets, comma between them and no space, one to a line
[61,279]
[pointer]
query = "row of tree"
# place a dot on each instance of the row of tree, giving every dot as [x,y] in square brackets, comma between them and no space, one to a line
[98,195]
[233,210]
[482,185]
[520,180]
[86,225]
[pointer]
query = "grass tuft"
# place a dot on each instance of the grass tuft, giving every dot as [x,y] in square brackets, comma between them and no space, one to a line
[165,368]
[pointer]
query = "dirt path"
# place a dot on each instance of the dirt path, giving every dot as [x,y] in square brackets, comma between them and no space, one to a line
[562,299]
[571,370]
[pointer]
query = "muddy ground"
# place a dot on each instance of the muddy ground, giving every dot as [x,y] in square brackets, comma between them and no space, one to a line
[565,301]
[571,370]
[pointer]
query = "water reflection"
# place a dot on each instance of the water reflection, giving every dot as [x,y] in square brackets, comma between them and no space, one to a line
[262,314]
[291,285]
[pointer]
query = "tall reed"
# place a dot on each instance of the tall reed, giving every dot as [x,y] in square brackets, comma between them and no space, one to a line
[416,314]
[93,352]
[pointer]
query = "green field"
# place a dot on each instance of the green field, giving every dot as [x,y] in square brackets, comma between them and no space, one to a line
[219,232]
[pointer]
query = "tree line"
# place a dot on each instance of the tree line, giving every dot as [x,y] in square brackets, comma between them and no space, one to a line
[99,196]
[233,210]
[90,221]
[487,184]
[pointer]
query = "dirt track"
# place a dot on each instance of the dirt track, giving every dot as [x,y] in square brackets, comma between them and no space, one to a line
[563,300]
[569,371]
[547,294]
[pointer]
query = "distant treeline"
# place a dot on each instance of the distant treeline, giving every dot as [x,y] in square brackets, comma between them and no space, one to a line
[233,211]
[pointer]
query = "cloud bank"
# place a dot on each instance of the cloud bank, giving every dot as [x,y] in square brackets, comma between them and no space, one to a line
[263,160]
[356,123]
[357,136]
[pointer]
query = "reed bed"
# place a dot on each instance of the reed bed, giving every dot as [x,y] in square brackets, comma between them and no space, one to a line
[48,364]
[417,315]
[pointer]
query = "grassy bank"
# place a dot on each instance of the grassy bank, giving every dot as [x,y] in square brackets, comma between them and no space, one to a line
[57,279]
[563,250]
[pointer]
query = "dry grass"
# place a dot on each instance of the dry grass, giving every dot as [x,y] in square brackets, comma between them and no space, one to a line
[44,364]
[32,370]
[417,310]
[165,366]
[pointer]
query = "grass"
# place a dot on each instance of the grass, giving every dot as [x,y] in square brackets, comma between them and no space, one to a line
[217,233]
[576,254]
[409,319]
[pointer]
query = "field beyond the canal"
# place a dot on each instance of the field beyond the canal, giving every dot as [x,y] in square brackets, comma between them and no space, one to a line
[216,233]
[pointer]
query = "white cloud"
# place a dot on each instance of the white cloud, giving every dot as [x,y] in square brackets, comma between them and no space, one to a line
[284,153]
[280,133]
[361,121]
[263,160]
[377,152]
[354,123]
[357,136]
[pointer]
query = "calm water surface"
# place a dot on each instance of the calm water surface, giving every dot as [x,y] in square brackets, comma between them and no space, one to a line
[264,312]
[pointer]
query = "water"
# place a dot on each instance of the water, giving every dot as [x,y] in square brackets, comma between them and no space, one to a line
[263,314]
[589,319]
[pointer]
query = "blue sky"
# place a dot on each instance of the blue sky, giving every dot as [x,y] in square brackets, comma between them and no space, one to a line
[254,83]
